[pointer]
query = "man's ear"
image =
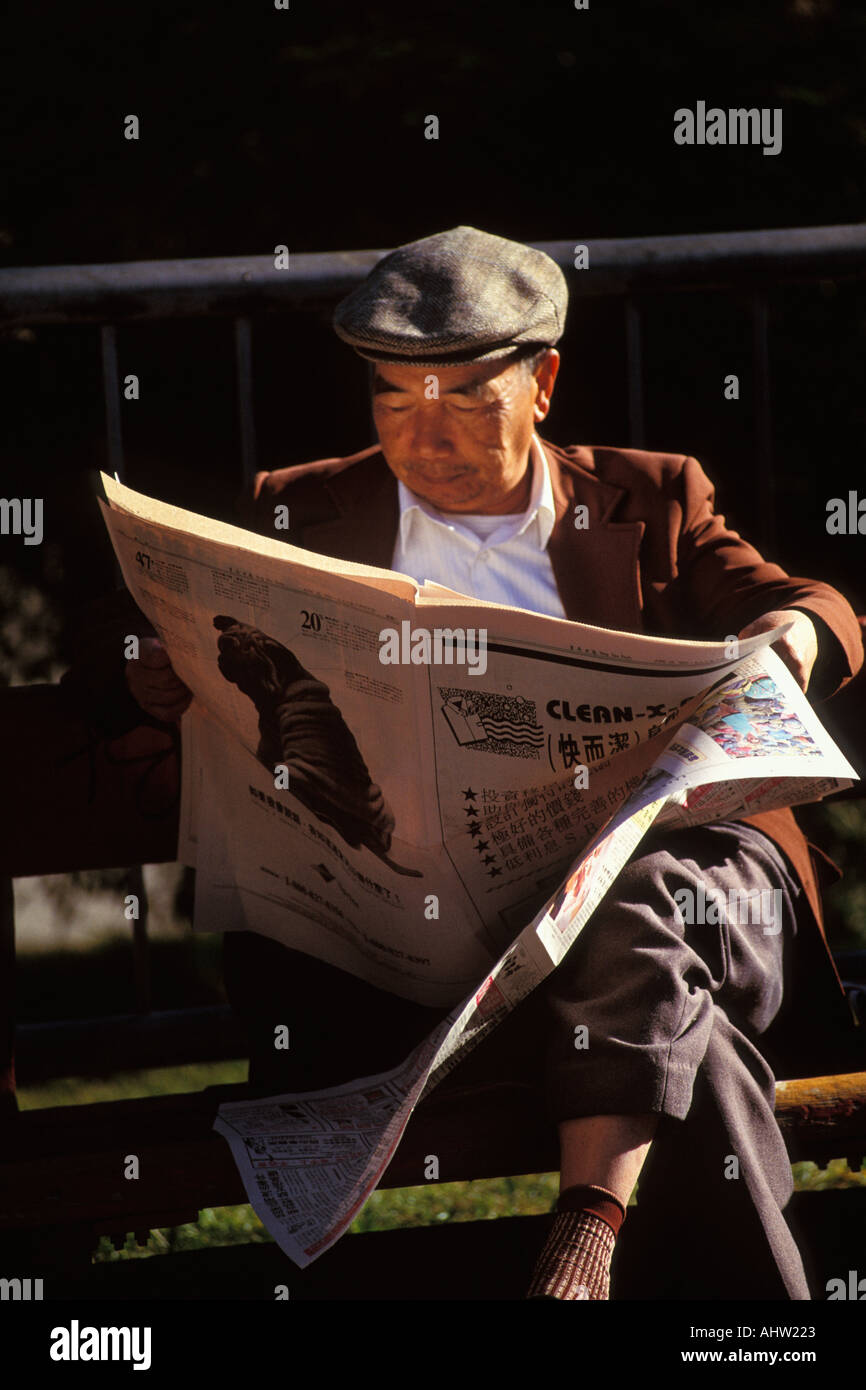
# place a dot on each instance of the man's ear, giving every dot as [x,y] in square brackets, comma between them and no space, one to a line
[545,377]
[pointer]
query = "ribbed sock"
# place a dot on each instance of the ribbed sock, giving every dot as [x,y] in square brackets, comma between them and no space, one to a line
[575,1261]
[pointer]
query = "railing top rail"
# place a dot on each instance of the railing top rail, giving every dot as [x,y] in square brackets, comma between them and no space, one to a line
[241,285]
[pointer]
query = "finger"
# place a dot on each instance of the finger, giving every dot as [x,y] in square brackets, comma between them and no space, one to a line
[161,700]
[803,671]
[755,629]
[167,711]
[153,654]
[164,698]
[794,662]
[159,677]
[162,686]
[151,687]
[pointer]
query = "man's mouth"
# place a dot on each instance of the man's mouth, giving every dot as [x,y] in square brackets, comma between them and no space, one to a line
[441,477]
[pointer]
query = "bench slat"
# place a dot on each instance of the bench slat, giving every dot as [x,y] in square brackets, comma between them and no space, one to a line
[64,1166]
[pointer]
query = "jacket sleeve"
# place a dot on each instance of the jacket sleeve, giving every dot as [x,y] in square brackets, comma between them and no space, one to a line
[730,584]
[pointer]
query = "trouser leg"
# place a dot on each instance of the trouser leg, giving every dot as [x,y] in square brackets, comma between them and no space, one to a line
[709,1222]
[672,1013]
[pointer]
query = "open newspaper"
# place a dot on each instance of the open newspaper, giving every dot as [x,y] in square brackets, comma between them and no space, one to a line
[430,792]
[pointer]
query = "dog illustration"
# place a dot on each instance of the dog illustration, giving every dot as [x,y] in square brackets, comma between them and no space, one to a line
[300,725]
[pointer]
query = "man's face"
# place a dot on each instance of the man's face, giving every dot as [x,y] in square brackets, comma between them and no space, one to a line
[466,450]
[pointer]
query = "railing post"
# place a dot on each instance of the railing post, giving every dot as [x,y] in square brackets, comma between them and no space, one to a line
[634,360]
[766,489]
[8,1103]
[140,941]
[111,392]
[246,418]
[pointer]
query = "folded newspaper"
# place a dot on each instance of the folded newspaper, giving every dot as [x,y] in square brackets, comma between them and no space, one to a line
[434,807]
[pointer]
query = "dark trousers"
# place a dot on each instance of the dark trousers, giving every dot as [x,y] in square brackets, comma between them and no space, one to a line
[666,1014]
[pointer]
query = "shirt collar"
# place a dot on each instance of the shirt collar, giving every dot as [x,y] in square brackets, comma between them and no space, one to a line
[541,504]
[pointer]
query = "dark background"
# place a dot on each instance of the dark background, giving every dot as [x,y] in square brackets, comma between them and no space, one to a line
[306,127]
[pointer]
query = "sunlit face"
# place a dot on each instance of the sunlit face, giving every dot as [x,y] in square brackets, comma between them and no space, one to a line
[467,449]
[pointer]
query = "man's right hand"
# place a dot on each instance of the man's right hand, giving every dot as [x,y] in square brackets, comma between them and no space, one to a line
[153,683]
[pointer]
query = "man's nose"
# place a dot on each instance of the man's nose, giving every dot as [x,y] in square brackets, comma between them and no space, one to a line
[431,434]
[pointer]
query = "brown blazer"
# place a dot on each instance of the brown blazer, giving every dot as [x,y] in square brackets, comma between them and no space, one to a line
[655,558]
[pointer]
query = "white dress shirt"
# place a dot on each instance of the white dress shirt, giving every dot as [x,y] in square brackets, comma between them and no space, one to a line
[500,558]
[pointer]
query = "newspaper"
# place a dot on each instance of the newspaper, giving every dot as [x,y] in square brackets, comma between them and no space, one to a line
[441,824]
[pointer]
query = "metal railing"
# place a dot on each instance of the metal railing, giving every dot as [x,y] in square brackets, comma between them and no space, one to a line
[242,286]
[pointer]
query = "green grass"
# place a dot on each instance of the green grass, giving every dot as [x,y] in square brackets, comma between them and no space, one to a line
[458,1201]
[215,1226]
[156,1081]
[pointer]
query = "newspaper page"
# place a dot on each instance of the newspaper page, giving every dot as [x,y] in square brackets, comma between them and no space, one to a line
[508,794]
[343,805]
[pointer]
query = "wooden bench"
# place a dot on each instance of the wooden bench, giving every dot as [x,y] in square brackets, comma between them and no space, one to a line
[62,1187]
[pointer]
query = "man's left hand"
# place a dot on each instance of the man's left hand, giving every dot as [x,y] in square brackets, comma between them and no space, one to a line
[798,648]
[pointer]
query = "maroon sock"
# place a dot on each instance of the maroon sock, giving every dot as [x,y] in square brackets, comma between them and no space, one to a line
[599,1200]
[575,1261]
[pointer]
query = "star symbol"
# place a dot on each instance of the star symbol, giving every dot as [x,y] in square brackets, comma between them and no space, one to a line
[491,873]
[489,859]
[471,810]
[482,846]
[474,829]
[469,794]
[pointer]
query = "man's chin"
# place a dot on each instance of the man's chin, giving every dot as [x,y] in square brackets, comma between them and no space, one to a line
[448,492]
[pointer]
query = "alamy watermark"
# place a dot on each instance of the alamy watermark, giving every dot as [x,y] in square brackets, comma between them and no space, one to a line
[846,517]
[77,1343]
[736,126]
[20,1290]
[22,516]
[741,909]
[441,646]
[854,1288]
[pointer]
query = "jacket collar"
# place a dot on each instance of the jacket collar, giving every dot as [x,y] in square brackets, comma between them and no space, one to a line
[595,567]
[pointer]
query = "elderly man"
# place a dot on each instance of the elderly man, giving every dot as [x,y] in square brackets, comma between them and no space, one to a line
[459,329]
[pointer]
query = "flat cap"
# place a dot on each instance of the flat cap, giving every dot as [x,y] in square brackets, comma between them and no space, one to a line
[459,296]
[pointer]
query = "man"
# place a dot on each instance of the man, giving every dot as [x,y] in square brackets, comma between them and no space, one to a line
[460,330]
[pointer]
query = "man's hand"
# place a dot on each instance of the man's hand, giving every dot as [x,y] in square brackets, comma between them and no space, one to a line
[798,648]
[153,683]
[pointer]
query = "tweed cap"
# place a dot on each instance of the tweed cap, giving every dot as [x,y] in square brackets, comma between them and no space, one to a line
[459,296]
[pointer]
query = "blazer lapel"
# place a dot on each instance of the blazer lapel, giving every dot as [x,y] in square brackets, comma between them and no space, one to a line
[365,529]
[595,567]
